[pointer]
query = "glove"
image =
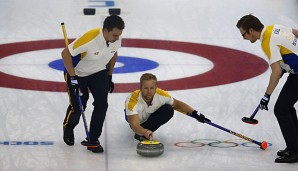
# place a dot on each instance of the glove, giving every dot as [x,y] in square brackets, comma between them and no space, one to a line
[264,102]
[74,84]
[200,118]
[111,84]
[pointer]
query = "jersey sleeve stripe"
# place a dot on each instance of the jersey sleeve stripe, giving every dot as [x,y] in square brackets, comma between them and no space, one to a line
[133,100]
[266,42]
[162,92]
[87,37]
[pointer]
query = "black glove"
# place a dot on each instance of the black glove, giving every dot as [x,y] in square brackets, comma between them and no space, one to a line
[111,84]
[200,118]
[74,84]
[264,102]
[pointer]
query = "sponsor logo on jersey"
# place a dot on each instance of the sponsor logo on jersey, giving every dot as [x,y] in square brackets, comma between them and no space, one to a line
[276,31]
[295,41]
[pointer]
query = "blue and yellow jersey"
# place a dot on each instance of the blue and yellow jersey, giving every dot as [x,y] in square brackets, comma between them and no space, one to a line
[91,53]
[280,44]
[134,103]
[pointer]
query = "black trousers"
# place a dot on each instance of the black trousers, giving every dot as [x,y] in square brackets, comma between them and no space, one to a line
[159,117]
[286,114]
[98,85]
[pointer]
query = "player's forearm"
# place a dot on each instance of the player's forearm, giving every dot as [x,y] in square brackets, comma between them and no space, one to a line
[182,107]
[274,79]
[112,63]
[138,129]
[67,60]
[272,84]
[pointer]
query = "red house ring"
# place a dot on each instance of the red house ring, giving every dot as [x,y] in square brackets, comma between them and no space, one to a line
[229,65]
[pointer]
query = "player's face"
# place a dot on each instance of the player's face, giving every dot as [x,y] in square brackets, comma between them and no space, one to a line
[248,35]
[148,90]
[112,36]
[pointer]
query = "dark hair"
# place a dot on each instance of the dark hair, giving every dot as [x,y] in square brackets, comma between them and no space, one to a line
[113,21]
[250,21]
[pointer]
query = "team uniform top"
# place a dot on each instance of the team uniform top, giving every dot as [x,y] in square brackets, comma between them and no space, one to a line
[280,44]
[91,53]
[135,104]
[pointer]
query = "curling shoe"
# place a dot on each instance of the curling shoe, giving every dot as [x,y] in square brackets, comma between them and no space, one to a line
[97,149]
[289,157]
[140,138]
[68,136]
[95,146]
[282,152]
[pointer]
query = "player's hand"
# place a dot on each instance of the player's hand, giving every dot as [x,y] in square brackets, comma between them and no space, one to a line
[148,134]
[264,102]
[200,117]
[111,84]
[74,84]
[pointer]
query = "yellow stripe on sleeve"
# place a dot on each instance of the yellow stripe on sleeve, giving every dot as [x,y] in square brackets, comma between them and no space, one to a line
[87,37]
[284,51]
[133,100]
[162,92]
[266,41]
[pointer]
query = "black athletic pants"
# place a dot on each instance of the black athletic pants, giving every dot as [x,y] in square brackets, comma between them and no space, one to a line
[159,117]
[286,114]
[98,85]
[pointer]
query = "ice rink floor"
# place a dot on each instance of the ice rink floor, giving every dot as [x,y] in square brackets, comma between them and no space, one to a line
[196,52]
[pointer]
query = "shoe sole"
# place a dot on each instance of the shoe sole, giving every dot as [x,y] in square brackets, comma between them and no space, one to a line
[294,161]
[289,159]
[95,150]
[89,145]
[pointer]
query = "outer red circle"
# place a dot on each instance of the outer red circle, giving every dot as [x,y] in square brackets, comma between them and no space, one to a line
[229,65]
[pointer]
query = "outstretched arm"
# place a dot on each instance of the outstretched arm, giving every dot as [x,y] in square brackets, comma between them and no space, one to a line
[134,122]
[182,107]
[188,110]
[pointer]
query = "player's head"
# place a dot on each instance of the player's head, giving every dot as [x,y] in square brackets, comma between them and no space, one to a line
[148,87]
[112,28]
[113,21]
[250,27]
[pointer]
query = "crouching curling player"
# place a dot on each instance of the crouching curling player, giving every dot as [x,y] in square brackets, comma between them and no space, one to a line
[150,107]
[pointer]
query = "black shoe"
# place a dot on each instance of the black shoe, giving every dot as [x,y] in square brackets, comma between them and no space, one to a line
[68,136]
[97,149]
[87,143]
[95,146]
[140,138]
[282,152]
[289,157]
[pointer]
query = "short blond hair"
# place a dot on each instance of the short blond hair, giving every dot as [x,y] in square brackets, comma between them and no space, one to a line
[146,77]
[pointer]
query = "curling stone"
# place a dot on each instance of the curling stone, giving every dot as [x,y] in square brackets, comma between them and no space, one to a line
[114,11]
[89,11]
[149,148]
